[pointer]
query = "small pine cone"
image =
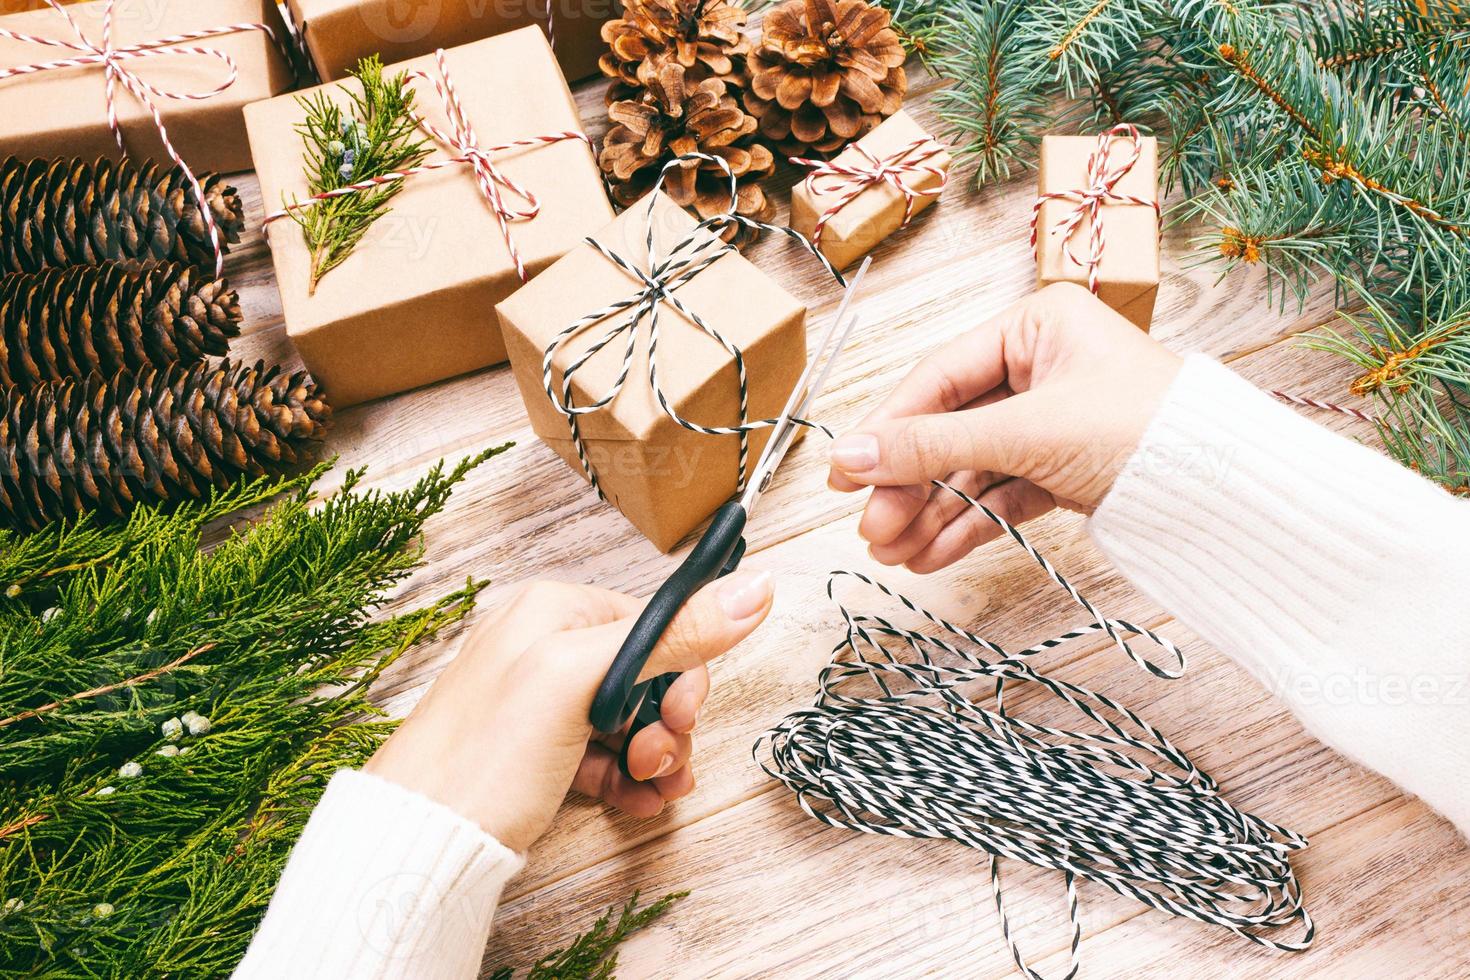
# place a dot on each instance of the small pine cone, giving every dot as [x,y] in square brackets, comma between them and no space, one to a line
[166,434]
[704,36]
[69,323]
[70,212]
[825,73]
[673,117]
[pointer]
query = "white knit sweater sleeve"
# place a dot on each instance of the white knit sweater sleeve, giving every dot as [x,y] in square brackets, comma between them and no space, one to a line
[383,883]
[1337,577]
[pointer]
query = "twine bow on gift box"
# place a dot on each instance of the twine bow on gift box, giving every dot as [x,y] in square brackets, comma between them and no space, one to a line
[1103,174]
[112,59]
[689,257]
[850,180]
[463,141]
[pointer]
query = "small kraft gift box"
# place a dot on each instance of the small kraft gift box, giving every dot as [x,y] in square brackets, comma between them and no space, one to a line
[340,33]
[196,64]
[656,391]
[1096,218]
[848,204]
[414,302]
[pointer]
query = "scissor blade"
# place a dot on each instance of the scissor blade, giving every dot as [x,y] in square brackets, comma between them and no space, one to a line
[808,386]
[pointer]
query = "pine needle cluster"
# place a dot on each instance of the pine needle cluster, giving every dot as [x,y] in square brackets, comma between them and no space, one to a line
[170,713]
[373,136]
[1322,141]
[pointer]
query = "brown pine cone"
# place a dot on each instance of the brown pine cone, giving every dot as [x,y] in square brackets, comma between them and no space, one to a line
[672,118]
[704,36]
[825,73]
[69,323]
[70,212]
[70,447]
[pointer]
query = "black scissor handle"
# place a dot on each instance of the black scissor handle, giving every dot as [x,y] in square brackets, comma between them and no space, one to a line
[718,553]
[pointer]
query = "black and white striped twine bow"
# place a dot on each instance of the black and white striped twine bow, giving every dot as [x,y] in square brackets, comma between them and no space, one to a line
[895,746]
[657,285]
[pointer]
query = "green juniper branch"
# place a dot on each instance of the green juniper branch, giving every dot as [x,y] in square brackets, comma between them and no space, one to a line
[373,137]
[169,713]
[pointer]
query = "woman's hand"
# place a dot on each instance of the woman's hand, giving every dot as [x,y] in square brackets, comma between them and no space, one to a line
[503,733]
[1039,408]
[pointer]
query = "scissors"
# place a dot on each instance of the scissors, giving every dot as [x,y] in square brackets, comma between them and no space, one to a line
[717,554]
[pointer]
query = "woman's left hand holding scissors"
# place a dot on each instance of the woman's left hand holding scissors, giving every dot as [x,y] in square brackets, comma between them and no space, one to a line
[503,732]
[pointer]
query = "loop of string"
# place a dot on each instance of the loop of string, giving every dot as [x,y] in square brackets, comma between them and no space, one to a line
[1103,174]
[657,285]
[896,745]
[850,180]
[461,139]
[113,58]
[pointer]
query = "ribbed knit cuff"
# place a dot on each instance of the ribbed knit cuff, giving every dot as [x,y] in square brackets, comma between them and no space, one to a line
[383,883]
[1335,575]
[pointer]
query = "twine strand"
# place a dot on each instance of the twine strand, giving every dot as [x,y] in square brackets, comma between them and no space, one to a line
[461,139]
[657,286]
[897,745]
[1103,174]
[111,58]
[848,180]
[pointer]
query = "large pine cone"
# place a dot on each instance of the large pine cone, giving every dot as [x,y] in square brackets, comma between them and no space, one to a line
[825,73]
[107,444]
[69,323]
[70,212]
[704,36]
[672,117]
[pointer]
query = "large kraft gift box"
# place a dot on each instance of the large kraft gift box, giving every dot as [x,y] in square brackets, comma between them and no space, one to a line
[1128,275]
[878,209]
[339,33]
[414,302]
[664,478]
[63,111]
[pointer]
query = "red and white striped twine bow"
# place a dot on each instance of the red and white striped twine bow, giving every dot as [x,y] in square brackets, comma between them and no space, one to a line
[1089,200]
[112,57]
[462,139]
[852,179]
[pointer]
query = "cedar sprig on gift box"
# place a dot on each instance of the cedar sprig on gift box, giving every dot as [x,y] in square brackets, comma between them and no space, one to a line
[68,323]
[65,212]
[375,136]
[108,444]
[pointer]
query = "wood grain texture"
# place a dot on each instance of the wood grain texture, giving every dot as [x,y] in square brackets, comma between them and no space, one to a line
[775,893]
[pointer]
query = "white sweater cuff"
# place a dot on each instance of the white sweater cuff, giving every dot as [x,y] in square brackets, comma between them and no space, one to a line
[383,883]
[1335,575]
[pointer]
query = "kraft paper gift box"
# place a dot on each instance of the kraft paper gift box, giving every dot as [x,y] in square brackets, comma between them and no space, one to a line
[340,33]
[414,302]
[663,477]
[878,209]
[63,111]
[1128,275]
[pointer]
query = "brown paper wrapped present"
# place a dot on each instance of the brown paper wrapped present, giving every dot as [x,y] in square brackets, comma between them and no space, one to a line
[63,110]
[339,33]
[849,204]
[414,301]
[664,477]
[1096,219]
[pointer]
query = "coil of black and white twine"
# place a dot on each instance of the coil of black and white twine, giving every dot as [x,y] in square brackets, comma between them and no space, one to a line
[910,737]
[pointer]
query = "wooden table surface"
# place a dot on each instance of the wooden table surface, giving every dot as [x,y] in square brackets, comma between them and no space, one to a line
[774,893]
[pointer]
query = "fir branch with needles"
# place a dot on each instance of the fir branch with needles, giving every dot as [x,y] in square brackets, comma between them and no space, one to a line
[373,136]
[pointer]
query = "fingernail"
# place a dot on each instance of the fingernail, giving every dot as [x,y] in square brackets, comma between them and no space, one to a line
[745,593]
[665,767]
[855,453]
